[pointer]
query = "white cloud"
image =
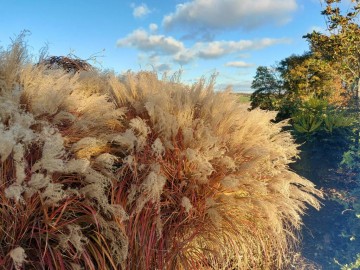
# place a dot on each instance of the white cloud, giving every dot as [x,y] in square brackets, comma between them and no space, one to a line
[153,27]
[140,11]
[225,14]
[239,64]
[163,68]
[157,63]
[167,45]
[141,40]
[217,49]
[184,57]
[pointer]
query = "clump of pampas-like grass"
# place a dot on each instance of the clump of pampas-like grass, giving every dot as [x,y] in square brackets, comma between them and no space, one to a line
[100,171]
[55,211]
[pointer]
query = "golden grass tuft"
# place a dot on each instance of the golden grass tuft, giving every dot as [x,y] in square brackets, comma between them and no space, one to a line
[131,172]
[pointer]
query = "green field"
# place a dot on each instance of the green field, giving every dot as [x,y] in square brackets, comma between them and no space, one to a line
[244,97]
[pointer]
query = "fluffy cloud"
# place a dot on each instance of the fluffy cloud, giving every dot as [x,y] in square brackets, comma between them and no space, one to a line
[239,64]
[153,27]
[185,56]
[225,14]
[166,45]
[141,40]
[155,62]
[163,68]
[217,49]
[140,11]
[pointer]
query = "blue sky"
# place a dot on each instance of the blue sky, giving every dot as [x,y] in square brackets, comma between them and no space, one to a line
[230,37]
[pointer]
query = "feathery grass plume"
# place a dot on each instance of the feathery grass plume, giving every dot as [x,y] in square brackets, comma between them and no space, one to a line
[53,217]
[19,256]
[13,58]
[226,198]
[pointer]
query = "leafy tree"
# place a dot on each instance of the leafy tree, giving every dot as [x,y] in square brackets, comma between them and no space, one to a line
[285,68]
[325,73]
[268,89]
[308,76]
[341,46]
[305,77]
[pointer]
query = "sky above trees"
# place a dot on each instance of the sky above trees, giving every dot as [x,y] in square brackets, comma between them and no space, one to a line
[201,37]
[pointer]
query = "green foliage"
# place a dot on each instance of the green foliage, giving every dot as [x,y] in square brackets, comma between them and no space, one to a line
[307,123]
[342,44]
[268,89]
[291,79]
[336,119]
[296,80]
[316,115]
[352,266]
[351,159]
[288,106]
[341,47]
[309,117]
[244,98]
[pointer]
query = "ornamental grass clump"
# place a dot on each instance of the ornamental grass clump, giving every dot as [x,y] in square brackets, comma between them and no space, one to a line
[100,171]
[205,182]
[55,212]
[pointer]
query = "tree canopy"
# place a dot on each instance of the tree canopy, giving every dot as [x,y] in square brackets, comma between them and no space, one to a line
[268,89]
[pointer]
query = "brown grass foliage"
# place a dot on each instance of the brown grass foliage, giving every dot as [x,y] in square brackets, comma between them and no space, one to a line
[100,171]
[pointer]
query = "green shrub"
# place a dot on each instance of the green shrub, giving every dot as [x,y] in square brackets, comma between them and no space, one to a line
[351,160]
[317,117]
[352,266]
